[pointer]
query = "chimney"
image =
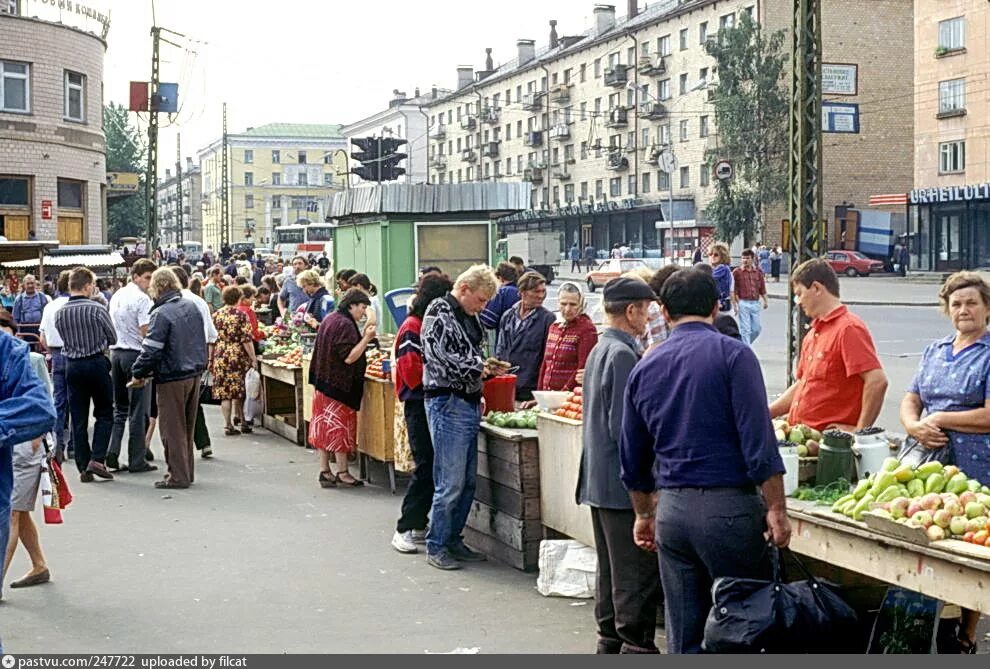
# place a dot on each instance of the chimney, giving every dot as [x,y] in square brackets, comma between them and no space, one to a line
[168,173]
[633,11]
[433,93]
[398,97]
[189,164]
[604,18]
[416,92]
[527,50]
[465,75]
[554,41]
[489,63]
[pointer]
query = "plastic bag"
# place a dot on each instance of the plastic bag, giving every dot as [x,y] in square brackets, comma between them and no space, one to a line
[914,453]
[252,384]
[567,569]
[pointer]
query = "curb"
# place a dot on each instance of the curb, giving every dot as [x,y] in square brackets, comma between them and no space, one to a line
[869,303]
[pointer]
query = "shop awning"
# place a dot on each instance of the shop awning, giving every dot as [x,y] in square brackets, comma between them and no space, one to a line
[83,260]
[15,251]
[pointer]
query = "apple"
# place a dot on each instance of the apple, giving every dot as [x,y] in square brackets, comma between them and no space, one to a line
[923,518]
[931,502]
[969,497]
[899,507]
[948,497]
[968,537]
[913,508]
[983,498]
[955,508]
[980,538]
[936,533]
[942,518]
[976,524]
[813,448]
[975,509]
[957,525]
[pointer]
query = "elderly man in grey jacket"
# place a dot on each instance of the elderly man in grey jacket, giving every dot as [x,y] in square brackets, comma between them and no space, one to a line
[627,592]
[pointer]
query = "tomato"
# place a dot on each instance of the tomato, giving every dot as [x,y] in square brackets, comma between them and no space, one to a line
[577,391]
[980,538]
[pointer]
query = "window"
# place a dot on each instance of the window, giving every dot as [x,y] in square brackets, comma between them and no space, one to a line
[952,157]
[703,176]
[663,45]
[682,86]
[703,76]
[663,181]
[584,111]
[276,201]
[726,21]
[70,194]
[644,49]
[952,34]
[302,179]
[615,186]
[328,157]
[598,67]
[328,179]
[684,39]
[644,183]
[584,150]
[663,89]
[15,87]
[703,32]
[276,156]
[599,188]
[685,177]
[584,72]
[951,96]
[584,190]
[663,134]
[631,56]
[248,156]
[249,178]
[276,178]
[684,130]
[646,137]
[632,185]
[249,201]
[749,10]
[75,96]
[569,193]
[14,191]
[302,158]
[703,126]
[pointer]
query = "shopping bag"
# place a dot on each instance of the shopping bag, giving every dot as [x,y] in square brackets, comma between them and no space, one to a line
[206,390]
[760,616]
[914,453]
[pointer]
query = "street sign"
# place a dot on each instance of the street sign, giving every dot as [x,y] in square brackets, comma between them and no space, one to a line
[668,163]
[46,209]
[723,170]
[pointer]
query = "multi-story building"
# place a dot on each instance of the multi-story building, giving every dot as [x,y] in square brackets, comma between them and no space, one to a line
[191,205]
[584,119]
[52,145]
[949,205]
[405,118]
[280,173]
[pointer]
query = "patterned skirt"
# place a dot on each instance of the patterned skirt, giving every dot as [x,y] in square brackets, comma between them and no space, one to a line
[334,425]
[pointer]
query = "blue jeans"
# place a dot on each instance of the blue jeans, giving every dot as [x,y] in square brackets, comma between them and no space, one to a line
[454,425]
[61,399]
[749,320]
[6,488]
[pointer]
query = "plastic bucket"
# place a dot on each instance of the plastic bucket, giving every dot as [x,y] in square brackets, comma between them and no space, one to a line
[500,393]
[791,463]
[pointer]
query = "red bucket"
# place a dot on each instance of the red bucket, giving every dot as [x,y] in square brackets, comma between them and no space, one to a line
[500,393]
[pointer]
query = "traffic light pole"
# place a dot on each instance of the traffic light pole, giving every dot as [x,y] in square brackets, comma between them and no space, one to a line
[178,190]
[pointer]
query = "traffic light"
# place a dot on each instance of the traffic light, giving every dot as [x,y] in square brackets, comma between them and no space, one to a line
[390,159]
[367,156]
[379,158]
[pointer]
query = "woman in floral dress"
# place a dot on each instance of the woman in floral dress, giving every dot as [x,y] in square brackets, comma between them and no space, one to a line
[233,356]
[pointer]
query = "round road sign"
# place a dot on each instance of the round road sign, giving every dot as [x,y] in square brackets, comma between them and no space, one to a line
[723,170]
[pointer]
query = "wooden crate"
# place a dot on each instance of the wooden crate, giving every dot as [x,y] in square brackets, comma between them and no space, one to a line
[282,387]
[560,464]
[504,522]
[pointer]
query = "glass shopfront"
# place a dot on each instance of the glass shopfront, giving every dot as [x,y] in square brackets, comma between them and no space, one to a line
[949,228]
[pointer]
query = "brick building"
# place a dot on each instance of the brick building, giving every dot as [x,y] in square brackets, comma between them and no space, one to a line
[52,145]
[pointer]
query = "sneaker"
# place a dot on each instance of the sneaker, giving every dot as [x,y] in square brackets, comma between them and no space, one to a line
[207,452]
[418,536]
[465,554]
[99,469]
[86,477]
[402,542]
[442,560]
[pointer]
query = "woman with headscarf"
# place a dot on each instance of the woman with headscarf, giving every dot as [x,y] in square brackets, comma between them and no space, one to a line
[569,341]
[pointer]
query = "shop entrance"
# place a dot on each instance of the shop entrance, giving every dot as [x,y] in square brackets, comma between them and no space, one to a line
[950,231]
[14,228]
[70,230]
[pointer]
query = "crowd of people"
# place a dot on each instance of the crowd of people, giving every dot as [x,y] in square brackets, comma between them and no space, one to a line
[674,354]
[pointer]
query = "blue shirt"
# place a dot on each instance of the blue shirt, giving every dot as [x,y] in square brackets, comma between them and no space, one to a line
[293,295]
[506,296]
[947,382]
[696,416]
[26,410]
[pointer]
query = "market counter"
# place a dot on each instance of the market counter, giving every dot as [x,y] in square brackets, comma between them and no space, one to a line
[560,463]
[282,387]
[376,432]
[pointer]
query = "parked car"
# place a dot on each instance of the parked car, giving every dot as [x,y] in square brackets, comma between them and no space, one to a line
[853,263]
[612,269]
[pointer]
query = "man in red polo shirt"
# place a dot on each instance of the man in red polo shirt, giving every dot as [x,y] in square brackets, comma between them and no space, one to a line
[840,383]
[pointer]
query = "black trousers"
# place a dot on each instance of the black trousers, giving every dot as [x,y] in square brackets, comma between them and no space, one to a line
[419,496]
[130,409]
[89,381]
[627,588]
[703,534]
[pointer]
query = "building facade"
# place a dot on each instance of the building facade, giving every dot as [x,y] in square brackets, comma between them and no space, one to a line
[280,174]
[949,204]
[191,205]
[52,145]
[586,118]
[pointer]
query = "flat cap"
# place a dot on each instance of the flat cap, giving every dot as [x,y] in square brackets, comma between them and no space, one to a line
[627,290]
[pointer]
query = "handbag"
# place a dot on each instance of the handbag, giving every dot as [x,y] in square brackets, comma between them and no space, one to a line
[759,616]
[206,390]
[914,453]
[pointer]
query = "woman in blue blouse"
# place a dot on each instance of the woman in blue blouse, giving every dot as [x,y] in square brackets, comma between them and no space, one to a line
[948,402]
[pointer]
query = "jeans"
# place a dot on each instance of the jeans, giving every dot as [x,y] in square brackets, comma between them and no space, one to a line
[130,409]
[61,390]
[749,320]
[419,494]
[575,265]
[454,424]
[6,488]
[89,381]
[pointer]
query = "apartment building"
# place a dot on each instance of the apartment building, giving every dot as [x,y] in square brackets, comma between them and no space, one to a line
[949,204]
[280,174]
[169,205]
[585,117]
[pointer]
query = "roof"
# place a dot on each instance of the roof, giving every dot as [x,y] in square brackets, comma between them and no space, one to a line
[296,130]
[16,251]
[85,260]
[431,199]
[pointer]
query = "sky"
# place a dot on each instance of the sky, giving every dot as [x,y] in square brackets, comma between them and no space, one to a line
[311,61]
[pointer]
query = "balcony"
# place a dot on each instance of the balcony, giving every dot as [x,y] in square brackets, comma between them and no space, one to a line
[561,93]
[533,174]
[950,112]
[533,101]
[616,161]
[439,162]
[652,156]
[469,123]
[490,149]
[652,65]
[617,118]
[534,138]
[560,131]
[469,155]
[490,115]
[562,174]
[439,132]
[653,111]
[616,76]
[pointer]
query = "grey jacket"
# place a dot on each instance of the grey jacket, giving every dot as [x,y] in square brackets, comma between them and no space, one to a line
[605,375]
[175,347]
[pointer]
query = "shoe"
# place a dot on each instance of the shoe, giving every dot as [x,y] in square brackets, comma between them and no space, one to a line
[86,477]
[327,480]
[142,470]
[465,554]
[236,421]
[149,456]
[168,485]
[402,542]
[231,431]
[99,469]
[206,453]
[350,481]
[443,561]
[246,429]
[418,536]
[36,579]
[113,463]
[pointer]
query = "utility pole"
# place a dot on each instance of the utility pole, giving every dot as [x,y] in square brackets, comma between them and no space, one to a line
[224,190]
[805,158]
[151,184]
[178,188]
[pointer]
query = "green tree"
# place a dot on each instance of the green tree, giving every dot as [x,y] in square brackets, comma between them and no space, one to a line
[126,152]
[752,111]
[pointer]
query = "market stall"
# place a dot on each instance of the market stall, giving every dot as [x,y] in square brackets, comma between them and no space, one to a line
[282,390]
[560,461]
[376,420]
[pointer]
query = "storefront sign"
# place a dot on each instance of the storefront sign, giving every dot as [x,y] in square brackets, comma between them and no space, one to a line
[950,194]
[839,78]
[46,209]
[122,182]
[69,12]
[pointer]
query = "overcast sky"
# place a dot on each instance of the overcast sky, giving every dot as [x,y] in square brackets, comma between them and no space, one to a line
[312,61]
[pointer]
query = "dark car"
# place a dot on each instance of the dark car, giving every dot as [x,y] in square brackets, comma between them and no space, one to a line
[853,263]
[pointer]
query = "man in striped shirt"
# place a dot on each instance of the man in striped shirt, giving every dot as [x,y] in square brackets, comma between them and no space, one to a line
[87,332]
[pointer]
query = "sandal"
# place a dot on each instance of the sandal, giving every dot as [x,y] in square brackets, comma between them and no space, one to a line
[353,482]
[327,480]
[966,647]
[246,429]
[231,431]
[169,485]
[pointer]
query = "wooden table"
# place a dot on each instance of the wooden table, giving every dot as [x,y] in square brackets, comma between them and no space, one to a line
[376,433]
[504,522]
[283,390]
[560,462]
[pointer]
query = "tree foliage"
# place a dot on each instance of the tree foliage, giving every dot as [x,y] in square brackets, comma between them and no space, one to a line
[752,113]
[126,152]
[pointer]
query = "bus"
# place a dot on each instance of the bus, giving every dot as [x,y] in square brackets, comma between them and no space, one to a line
[315,238]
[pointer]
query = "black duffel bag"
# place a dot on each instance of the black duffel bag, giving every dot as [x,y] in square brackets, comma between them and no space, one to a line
[760,616]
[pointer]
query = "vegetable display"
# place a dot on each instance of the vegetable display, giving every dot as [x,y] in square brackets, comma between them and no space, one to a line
[516,419]
[573,406]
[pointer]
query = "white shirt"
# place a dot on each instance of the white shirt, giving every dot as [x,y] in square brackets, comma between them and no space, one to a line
[47,328]
[130,310]
[204,311]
